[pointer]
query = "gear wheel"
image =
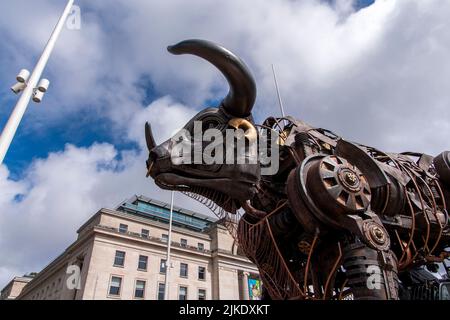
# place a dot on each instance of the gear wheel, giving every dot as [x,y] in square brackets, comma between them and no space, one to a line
[338,187]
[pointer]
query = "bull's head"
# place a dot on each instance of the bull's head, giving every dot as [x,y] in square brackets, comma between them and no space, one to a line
[227,184]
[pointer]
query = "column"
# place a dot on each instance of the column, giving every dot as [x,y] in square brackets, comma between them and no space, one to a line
[245,292]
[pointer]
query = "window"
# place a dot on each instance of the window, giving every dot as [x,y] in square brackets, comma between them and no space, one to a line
[139,292]
[119,260]
[114,288]
[161,291]
[201,273]
[183,243]
[123,228]
[201,294]
[183,270]
[145,233]
[165,238]
[142,265]
[162,266]
[201,246]
[182,295]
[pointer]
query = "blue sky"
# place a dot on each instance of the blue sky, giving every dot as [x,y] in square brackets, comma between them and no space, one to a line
[358,4]
[363,3]
[36,137]
[374,76]
[81,129]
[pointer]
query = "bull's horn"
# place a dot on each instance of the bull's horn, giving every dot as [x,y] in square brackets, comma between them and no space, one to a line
[241,98]
[151,144]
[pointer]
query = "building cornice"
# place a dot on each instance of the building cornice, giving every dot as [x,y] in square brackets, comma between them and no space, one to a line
[150,222]
[157,242]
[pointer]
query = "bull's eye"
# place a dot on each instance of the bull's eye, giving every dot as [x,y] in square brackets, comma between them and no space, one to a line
[207,120]
[182,138]
[210,124]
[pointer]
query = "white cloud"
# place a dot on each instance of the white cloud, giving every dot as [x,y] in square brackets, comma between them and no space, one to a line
[332,64]
[166,118]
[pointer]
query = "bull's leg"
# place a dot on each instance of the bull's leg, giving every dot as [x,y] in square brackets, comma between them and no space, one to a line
[330,194]
[372,274]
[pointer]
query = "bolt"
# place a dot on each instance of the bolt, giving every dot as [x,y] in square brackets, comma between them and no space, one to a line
[378,234]
[351,178]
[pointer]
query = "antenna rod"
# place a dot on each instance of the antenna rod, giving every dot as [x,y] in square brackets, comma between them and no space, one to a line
[169,245]
[278,92]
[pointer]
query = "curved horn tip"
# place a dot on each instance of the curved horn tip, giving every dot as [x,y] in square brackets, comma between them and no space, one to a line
[241,97]
[177,49]
[171,49]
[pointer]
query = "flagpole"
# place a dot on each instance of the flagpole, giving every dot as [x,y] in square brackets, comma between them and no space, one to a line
[16,116]
[169,245]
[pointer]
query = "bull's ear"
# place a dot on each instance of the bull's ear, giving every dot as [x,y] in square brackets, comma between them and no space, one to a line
[241,98]
[250,131]
[151,144]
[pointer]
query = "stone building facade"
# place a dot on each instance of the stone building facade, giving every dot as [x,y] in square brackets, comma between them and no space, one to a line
[121,254]
[13,289]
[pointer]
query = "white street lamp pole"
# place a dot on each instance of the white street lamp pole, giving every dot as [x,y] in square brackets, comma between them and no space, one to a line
[169,245]
[16,116]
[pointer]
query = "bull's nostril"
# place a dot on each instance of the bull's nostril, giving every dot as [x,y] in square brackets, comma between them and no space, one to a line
[160,152]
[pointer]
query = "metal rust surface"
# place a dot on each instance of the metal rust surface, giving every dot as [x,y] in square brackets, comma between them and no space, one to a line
[334,215]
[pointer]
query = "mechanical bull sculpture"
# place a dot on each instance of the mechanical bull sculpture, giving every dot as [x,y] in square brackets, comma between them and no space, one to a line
[337,220]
